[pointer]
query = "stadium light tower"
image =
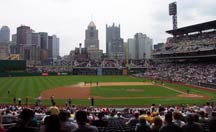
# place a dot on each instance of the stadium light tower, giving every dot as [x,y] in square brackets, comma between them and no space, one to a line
[173,13]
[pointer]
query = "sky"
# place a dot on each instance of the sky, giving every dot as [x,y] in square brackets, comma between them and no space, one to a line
[68,19]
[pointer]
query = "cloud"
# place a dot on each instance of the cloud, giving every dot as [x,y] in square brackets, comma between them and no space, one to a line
[195,11]
[68,19]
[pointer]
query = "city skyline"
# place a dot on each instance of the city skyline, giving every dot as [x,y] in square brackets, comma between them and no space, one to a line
[68,18]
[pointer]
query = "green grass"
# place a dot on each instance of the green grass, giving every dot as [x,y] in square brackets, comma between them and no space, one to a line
[124,91]
[192,90]
[33,86]
[132,102]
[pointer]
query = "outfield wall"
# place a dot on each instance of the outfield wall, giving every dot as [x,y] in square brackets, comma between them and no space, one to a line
[23,74]
[108,71]
[12,65]
[80,71]
[96,71]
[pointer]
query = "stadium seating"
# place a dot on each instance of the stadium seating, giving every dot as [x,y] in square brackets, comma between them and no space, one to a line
[187,72]
[116,123]
[191,43]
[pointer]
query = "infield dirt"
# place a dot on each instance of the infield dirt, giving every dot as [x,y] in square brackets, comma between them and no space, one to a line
[82,91]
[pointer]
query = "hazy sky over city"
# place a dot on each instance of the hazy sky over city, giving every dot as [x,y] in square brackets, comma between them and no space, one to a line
[68,19]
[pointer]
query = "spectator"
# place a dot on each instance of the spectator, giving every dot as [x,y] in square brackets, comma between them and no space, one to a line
[134,120]
[25,117]
[148,117]
[34,121]
[142,126]
[81,118]
[120,116]
[54,110]
[44,124]
[66,126]
[52,125]
[169,125]
[191,126]
[177,119]
[208,109]
[100,122]
[212,122]
[202,118]
[157,123]
[1,126]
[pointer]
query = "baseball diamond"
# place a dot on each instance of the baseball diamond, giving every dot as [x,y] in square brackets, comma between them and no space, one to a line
[107,90]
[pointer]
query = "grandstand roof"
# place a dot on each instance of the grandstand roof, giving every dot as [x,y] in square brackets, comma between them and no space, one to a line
[193,28]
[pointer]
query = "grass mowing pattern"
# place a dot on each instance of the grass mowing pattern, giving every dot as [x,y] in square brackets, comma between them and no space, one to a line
[136,91]
[33,86]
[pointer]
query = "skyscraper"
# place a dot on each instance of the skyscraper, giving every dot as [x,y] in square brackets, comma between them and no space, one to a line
[92,42]
[22,33]
[23,40]
[91,37]
[44,40]
[36,39]
[28,44]
[114,43]
[112,32]
[53,47]
[4,50]
[5,34]
[4,42]
[140,47]
[14,38]
[44,46]
[32,46]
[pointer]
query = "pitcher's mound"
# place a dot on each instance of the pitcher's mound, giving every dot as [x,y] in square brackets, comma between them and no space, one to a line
[135,90]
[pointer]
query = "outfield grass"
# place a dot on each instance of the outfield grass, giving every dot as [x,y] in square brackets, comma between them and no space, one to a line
[33,86]
[132,91]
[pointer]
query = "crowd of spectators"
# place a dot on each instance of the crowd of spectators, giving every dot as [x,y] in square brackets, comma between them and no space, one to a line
[106,63]
[159,118]
[190,43]
[98,63]
[183,72]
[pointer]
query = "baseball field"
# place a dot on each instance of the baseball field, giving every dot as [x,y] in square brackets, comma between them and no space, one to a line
[106,90]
